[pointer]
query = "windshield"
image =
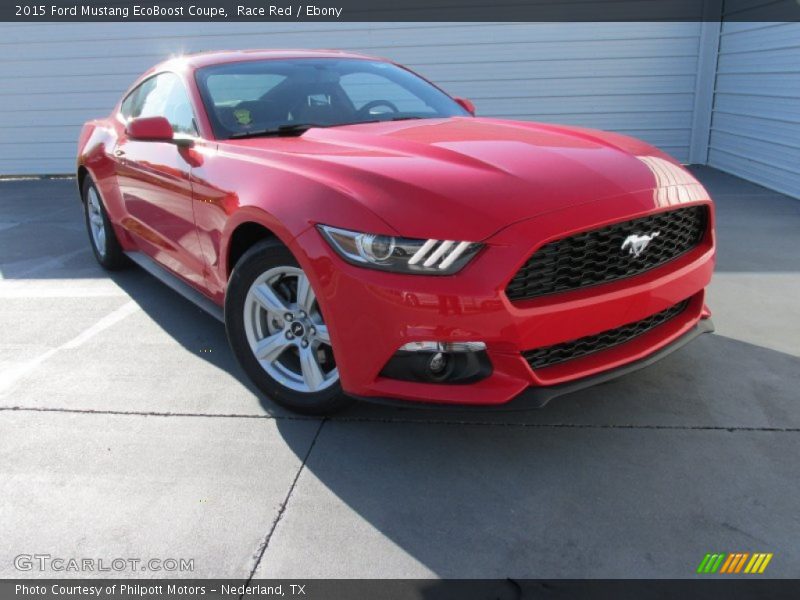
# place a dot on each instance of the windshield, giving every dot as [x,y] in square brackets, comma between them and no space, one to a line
[265,95]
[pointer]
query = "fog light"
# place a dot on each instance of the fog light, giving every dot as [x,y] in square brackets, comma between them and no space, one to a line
[437,363]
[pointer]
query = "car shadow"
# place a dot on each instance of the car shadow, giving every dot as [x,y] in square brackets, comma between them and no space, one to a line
[191,327]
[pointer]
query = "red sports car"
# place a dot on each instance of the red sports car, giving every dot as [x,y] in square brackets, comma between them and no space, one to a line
[364,235]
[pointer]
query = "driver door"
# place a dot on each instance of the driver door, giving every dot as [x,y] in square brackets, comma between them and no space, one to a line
[155,179]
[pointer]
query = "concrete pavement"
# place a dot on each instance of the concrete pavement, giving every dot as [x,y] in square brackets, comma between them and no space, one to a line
[128,430]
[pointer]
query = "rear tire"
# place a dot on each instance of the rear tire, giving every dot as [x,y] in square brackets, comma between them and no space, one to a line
[105,245]
[278,334]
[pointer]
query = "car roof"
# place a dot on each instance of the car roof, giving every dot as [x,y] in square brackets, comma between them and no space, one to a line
[217,57]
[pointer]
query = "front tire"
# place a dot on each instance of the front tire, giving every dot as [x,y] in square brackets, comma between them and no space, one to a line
[105,245]
[278,334]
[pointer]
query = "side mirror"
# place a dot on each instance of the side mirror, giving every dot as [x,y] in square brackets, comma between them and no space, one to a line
[466,105]
[150,129]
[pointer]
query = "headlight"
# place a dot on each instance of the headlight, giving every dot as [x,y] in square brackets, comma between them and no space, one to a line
[404,255]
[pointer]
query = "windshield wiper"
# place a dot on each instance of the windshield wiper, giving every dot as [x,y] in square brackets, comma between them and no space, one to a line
[282,131]
[294,129]
[383,120]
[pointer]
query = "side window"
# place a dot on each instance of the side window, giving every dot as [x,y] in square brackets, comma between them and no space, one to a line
[162,96]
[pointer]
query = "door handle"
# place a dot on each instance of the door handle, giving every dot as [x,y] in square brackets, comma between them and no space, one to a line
[119,152]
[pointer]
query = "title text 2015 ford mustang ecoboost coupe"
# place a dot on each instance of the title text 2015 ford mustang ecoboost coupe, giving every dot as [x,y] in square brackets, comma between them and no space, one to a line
[363,234]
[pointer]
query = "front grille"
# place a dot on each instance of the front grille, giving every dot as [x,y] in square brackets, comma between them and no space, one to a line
[596,256]
[551,355]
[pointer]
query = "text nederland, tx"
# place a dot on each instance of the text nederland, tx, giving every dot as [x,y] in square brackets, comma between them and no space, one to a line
[158,590]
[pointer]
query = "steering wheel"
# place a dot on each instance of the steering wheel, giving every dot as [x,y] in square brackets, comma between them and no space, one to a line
[365,110]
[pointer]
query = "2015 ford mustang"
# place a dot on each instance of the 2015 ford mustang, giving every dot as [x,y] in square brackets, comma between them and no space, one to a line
[363,234]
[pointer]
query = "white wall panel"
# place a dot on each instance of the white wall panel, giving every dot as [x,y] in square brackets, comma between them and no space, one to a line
[755,129]
[635,78]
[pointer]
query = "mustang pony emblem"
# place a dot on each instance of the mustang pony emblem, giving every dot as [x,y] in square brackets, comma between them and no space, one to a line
[638,243]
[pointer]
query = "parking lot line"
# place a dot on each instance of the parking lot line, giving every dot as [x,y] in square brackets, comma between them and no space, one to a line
[52,264]
[11,375]
[59,288]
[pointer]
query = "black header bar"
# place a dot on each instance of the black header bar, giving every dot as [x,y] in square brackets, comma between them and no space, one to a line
[400,10]
[710,588]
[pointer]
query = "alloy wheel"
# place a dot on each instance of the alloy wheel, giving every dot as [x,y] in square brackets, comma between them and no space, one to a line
[286,331]
[96,224]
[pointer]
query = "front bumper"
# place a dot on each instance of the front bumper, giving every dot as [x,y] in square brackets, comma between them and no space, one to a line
[537,397]
[371,314]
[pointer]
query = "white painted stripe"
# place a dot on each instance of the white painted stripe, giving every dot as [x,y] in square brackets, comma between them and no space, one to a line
[54,263]
[59,288]
[10,376]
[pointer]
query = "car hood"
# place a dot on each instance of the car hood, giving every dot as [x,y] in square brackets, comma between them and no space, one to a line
[467,178]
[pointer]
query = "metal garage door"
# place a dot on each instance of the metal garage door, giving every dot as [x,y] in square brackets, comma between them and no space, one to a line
[755,129]
[636,78]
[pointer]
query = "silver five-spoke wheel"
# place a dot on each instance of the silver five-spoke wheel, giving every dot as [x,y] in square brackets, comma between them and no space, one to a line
[286,331]
[96,224]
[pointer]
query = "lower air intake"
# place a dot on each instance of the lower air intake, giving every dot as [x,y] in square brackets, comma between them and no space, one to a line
[558,353]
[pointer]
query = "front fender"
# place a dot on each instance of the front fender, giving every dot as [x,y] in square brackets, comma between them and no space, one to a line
[230,191]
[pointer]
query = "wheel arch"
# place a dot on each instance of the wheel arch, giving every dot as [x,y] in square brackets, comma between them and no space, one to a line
[242,238]
[82,174]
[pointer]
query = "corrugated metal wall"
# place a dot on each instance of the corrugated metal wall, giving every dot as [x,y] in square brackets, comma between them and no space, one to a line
[755,128]
[636,78]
